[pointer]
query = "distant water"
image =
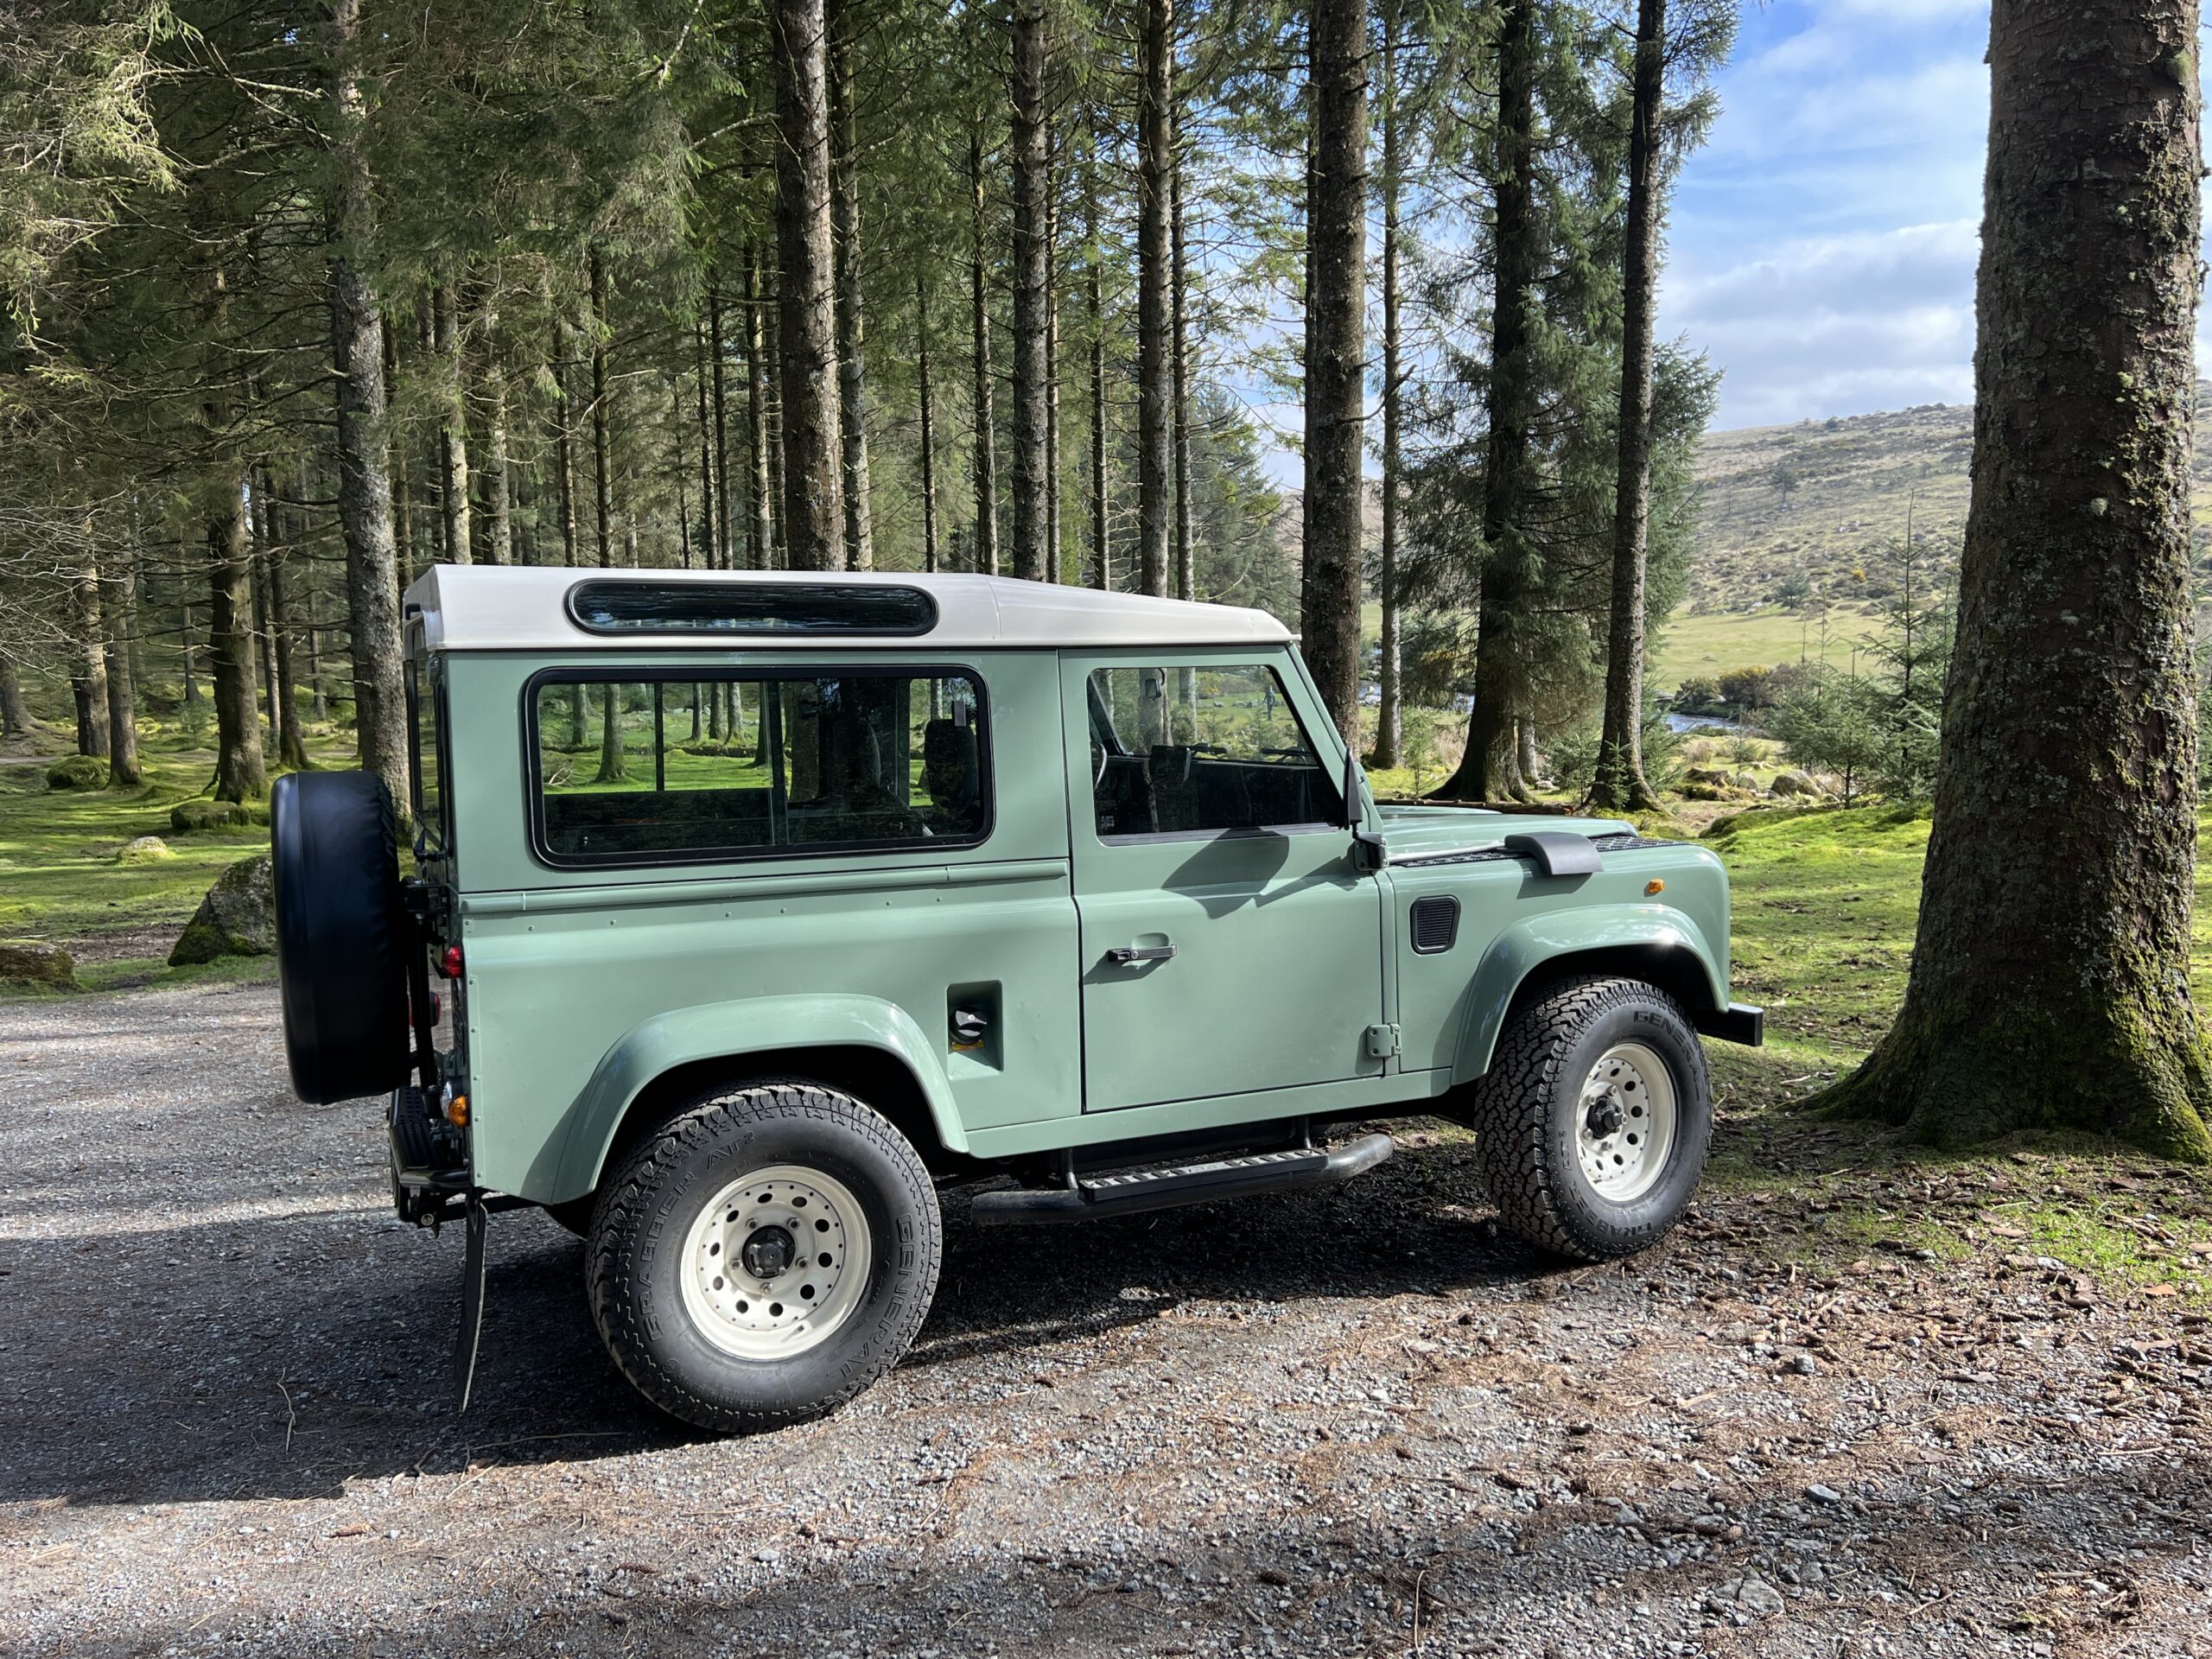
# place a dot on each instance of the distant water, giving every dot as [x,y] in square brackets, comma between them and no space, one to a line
[1702,723]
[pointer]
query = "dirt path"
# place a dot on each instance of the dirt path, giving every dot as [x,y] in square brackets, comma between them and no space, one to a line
[1350,1423]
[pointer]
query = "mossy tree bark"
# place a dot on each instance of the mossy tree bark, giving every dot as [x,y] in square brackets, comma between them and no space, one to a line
[1620,784]
[1490,768]
[2050,984]
[1031,371]
[1155,255]
[813,470]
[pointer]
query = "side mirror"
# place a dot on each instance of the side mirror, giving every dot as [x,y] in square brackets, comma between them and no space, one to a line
[1367,850]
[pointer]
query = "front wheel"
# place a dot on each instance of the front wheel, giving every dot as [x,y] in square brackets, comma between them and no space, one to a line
[1594,1119]
[764,1256]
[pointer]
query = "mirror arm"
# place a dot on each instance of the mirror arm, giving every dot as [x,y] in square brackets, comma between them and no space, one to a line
[1368,850]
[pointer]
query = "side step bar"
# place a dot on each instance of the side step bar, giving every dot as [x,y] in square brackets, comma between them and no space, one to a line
[1128,1193]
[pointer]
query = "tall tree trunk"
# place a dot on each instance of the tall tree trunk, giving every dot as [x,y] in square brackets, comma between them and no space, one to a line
[761,497]
[1490,767]
[453,433]
[986,411]
[807,334]
[1389,712]
[1186,556]
[1619,783]
[1102,545]
[1336,391]
[498,530]
[1155,277]
[121,611]
[239,773]
[2050,983]
[710,546]
[929,420]
[1052,571]
[564,445]
[14,713]
[852,362]
[88,680]
[1031,368]
[602,448]
[185,650]
[265,543]
[363,475]
[715,342]
[291,741]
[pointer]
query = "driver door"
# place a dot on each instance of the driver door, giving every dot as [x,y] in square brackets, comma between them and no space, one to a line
[1229,945]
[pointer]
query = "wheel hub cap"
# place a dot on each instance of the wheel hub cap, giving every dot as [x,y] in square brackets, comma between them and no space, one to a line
[1626,1130]
[776,1263]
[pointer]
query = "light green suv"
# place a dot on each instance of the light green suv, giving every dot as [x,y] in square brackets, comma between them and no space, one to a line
[765,907]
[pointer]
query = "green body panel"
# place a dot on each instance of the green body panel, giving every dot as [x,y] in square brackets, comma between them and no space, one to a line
[1294,990]
[720,1030]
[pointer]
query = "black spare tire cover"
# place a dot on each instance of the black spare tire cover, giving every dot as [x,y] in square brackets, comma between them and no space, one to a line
[341,934]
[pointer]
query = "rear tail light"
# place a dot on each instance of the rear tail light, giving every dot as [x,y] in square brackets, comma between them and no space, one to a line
[449,961]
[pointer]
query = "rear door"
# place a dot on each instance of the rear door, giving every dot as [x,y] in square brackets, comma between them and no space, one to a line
[1229,944]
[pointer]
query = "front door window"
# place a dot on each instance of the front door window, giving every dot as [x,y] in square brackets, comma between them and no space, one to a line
[1202,750]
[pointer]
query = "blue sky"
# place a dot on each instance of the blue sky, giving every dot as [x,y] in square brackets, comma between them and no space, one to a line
[1822,244]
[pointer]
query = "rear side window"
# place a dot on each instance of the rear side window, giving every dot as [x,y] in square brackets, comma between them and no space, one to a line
[1182,750]
[426,739]
[658,771]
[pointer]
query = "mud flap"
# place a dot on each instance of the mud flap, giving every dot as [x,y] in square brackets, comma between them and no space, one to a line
[472,1305]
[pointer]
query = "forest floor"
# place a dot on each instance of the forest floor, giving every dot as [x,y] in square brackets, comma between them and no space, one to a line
[1868,1401]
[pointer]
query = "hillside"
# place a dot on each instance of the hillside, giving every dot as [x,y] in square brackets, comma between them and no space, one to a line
[1805,525]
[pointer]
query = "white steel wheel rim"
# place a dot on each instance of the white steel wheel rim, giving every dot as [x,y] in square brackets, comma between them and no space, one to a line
[1625,1121]
[759,1296]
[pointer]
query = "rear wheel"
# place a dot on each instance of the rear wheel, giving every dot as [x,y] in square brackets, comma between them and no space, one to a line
[1595,1118]
[763,1257]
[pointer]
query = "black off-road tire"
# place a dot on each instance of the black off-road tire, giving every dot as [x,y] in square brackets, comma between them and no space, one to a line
[342,934]
[1527,1109]
[634,1260]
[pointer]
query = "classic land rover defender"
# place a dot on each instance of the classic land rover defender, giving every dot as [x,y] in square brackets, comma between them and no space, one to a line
[767,905]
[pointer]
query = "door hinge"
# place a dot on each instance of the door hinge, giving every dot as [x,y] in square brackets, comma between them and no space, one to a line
[1381,1042]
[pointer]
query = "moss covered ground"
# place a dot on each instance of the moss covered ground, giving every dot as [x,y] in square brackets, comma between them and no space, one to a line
[62,880]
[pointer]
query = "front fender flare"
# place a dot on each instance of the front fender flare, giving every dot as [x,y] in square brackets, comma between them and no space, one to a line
[731,1031]
[1530,945]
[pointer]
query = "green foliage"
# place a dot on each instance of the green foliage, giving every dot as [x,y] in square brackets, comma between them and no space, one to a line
[1882,728]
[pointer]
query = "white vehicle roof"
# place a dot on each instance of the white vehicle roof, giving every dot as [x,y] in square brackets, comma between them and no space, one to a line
[516,608]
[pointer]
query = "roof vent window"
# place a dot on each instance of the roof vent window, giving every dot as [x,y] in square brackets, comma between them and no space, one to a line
[742,608]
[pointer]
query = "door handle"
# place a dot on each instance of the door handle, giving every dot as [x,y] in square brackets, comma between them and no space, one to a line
[1123,954]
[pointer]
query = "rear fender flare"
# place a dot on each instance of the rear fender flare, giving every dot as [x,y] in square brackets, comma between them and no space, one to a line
[732,1031]
[1544,944]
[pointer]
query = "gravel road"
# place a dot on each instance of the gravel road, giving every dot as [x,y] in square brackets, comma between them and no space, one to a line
[1355,1422]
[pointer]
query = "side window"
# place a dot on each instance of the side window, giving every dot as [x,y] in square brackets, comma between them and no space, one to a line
[666,770]
[426,736]
[1177,750]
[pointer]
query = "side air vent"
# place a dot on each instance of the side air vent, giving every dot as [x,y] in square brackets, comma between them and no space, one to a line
[1435,923]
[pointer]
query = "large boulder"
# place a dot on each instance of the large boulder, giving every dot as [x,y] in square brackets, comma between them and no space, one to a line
[1719,777]
[144,849]
[45,965]
[1795,783]
[77,771]
[237,919]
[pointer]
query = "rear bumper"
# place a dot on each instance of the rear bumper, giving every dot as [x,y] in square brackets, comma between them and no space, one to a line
[1739,1022]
